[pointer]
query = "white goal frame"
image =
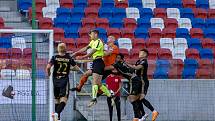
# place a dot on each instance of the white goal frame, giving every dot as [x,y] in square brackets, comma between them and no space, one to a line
[51,53]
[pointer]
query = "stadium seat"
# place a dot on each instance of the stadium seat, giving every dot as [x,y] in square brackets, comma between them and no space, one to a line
[189,73]
[7,74]
[130,23]
[196,33]
[171,23]
[23,5]
[102,33]
[202,4]
[192,53]
[134,53]
[94,3]
[102,23]
[149,4]
[63,13]
[88,23]
[162,64]
[5,42]
[189,3]
[162,3]
[150,73]
[138,43]
[164,53]
[77,13]
[198,23]
[84,32]
[184,23]
[27,53]
[194,43]
[119,13]
[135,3]
[186,13]
[125,43]
[116,22]
[205,64]
[26,63]
[41,73]
[66,3]
[107,3]
[80,3]
[39,13]
[12,64]
[152,53]
[15,53]
[82,42]
[203,74]
[4,53]
[143,23]
[173,13]
[207,43]
[175,3]
[127,33]
[125,52]
[40,4]
[71,33]
[210,23]
[200,13]
[18,42]
[177,64]
[211,13]
[132,13]
[23,74]
[45,23]
[180,43]
[155,33]
[153,43]
[152,64]
[174,73]
[145,13]
[50,12]
[168,33]
[206,53]
[182,33]
[61,23]
[91,12]
[160,74]
[58,34]
[41,63]
[178,53]
[160,13]
[70,43]
[52,3]
[141,33]
[166,43]
[157,23]
[190,63]
[114,32]
[211,4]
[74,23]
[105,13]
[1,22]
[121,4]
[209,33]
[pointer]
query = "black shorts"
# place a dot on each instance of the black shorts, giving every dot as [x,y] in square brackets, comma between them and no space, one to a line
[98,66]
[61,87]
[135,86]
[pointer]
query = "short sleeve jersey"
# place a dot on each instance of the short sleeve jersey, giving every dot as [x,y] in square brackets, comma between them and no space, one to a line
[99,46]
[143,71]
[62,65]
[110,59]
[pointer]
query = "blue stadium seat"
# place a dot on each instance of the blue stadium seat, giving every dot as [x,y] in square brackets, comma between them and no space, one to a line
[145,12]
[143,23]
[189,73]
[77,12]
[105,13]
[186,13]
[202,4]
[71,33]
[80,3]
[182,33]
[63,12]
[162,3]
[175,3]
[107,3]
[210,23]
[116,22]
[194,43]
[74,23]
[41,74]
[23,5]
[198,23]
[5,42]
[190,63]
[209,33]
[61,23]
[119,13]
[102,34]
[206,53]
[141,33]
[162,64]
[160,74]
[135,3]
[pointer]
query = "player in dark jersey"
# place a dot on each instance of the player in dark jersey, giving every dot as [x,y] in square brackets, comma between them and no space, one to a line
[141,68]
[61,63]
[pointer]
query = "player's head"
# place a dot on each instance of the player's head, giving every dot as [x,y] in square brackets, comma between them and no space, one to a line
[119,57]
[111,40]
[94,34]
[143,53]
[61,48]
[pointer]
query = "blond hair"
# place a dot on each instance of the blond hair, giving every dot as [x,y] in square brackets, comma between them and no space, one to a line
[61,48]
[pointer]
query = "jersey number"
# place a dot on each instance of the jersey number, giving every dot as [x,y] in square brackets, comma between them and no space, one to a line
[62,68]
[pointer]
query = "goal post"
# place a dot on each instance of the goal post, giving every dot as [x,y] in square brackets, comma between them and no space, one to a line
[50,37]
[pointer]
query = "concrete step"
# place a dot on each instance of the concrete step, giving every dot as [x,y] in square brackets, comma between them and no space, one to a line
[11,16]
[18,25]
[11,4]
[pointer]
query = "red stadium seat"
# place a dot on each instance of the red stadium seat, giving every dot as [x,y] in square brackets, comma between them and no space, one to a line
[40,3]
[153,43]
[84,32]
[58,34]
[151,68]
[152,53]
[102,23]
[82,42]
[177,64]
[207,43]
[192,53]
[91,12]
[205,64]
[88,22]
[66,3]
[168,33]
[4,53]
[94,3]
[155,33]
[150,73]
[160,13]
[200,13]
[175,73]
[124,52]
[121,4]
[196,33]
[114,32]
[27,53]
[15,53]
[134,53]
[1,22]
[211,13]
[164,53]
[130,23]
[70,43]
[14,63]
[41,63]
[171,23]
[127,33]
[203,74]
[132,61]
[39,13]
[189,3]
[45,23]
[138,43]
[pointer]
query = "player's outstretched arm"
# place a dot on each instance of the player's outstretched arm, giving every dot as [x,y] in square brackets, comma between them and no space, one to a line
[48,69]
[87,55]
[84,49]
[75,68]
[136,67]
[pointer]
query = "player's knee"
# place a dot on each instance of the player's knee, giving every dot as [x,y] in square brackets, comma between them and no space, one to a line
[142,96]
